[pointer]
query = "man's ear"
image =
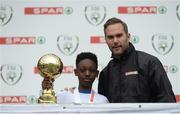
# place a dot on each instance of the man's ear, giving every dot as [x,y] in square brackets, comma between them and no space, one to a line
[129,36]
[75,72]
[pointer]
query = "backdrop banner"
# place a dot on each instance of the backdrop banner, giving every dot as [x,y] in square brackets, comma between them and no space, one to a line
[31,29]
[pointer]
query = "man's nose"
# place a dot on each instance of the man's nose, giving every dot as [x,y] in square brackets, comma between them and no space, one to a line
[116,39]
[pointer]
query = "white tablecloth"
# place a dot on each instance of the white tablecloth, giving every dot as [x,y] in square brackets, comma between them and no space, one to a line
[116,108]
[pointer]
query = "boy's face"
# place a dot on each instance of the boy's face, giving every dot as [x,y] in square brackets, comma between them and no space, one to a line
[87,72]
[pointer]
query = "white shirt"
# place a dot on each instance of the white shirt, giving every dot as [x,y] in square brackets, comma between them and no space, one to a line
[66,97]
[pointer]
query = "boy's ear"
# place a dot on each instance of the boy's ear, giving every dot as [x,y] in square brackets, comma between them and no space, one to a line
[75,72]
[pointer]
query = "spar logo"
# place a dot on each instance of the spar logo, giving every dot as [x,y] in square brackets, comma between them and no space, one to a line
[134,39]
[177,98]
[66,69]
[171,69]
[97,40]
[19,40]
[13,99]
[101,39]
[47,10]
[32,99]
[142,10]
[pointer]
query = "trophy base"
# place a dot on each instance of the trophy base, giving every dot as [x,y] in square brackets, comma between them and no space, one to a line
[47,97]
[47,100]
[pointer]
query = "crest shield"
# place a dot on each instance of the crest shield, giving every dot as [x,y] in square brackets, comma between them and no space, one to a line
[6,13]
[11,74]
[178,11]
[162,43]
[67,44]
[95,15]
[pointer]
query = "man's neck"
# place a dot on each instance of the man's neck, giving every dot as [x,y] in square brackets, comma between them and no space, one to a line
[117,57]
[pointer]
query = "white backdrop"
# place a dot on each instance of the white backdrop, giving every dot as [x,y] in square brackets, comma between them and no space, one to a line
[30,29]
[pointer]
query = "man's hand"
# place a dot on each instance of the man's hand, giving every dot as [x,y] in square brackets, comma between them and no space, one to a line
[47,83]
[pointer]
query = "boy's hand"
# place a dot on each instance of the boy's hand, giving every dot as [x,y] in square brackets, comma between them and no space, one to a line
[47,83]
[70,89]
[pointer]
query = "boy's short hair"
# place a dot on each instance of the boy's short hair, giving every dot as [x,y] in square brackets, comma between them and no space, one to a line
[86,55]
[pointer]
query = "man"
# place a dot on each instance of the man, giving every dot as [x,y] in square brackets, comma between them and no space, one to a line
[131,76]
[86,71]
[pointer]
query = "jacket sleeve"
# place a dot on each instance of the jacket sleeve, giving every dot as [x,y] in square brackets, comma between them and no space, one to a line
[160,84]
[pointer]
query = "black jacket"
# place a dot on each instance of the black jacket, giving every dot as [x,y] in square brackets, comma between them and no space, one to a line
[135,77]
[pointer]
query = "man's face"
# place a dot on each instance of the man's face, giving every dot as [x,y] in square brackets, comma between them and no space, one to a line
[86,72]
[117,39]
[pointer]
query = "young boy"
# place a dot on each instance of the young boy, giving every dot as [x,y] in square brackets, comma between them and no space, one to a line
[86,71]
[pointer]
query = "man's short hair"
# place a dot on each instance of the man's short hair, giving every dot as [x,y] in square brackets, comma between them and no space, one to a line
[115,20]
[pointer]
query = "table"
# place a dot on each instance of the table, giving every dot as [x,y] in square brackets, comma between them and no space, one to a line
[111,108]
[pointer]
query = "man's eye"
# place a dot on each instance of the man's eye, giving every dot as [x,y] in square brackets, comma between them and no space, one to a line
[109,37]
[119,35]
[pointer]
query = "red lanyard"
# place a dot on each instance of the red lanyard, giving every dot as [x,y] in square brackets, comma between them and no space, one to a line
[91,97]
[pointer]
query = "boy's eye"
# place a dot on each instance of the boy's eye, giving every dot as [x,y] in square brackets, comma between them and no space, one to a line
[90,70]
[82,70]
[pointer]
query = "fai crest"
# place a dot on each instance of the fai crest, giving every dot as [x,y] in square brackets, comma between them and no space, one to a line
[173,68]
[11,74]
[32,99]
[95,15]
[5,14]
[67,44]
[178,11]
[162,44]
[135,39]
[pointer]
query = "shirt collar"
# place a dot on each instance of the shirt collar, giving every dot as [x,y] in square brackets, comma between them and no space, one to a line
[85,91]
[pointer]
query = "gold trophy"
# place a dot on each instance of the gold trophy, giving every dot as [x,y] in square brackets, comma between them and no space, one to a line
[49,66]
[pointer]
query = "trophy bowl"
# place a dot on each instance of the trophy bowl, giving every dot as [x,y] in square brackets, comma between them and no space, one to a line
[49,66]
